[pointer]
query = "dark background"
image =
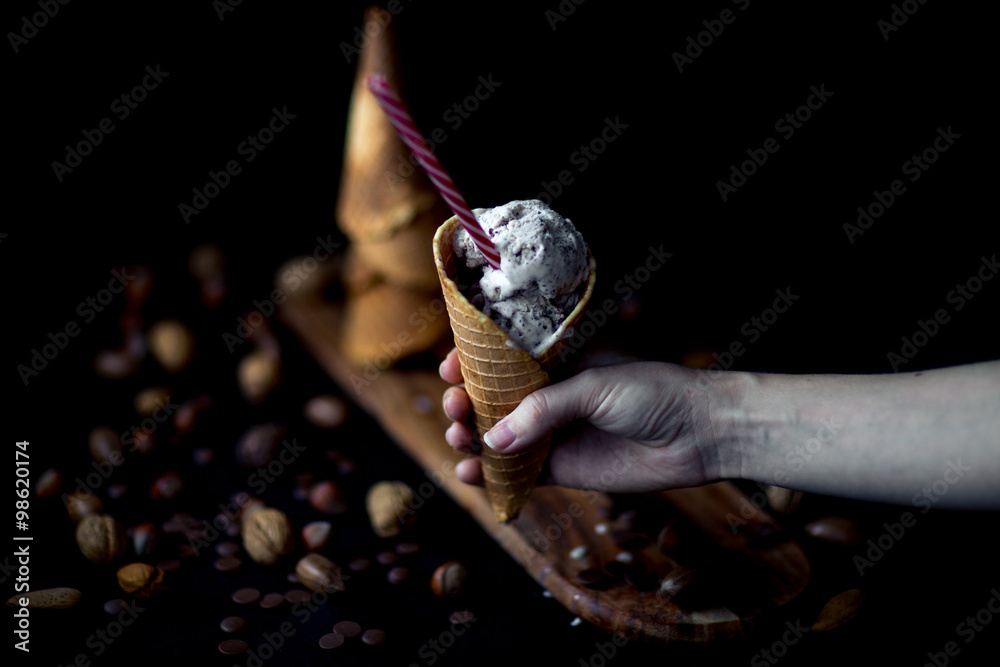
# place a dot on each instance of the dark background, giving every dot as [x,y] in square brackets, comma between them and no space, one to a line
[655,185]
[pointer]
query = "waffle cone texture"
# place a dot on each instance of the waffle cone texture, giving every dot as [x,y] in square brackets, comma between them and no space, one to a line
[498,375]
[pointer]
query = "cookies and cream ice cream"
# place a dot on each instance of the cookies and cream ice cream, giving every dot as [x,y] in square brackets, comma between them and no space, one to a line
[543,268]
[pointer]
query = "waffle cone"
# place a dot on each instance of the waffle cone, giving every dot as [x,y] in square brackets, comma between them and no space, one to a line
[498,375]
[381,191]
[378,325]
[402,259]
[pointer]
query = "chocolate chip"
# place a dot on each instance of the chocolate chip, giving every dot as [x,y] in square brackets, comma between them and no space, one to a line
[115,606]
[227,564]
[331,640]
[407,548]
[246,595]
[626,539]
[233,647]
[169,565]
[297,596]
[359,564]
[642,579]
[462,617]
[398,575]
[232,623]
[387,557]
[347,628]
[373,637]
[227,548]
[271,600]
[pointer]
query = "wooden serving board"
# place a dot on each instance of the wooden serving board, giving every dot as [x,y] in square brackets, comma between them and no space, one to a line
[557,520]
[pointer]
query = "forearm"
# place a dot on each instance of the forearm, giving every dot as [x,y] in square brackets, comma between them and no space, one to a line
[915,438]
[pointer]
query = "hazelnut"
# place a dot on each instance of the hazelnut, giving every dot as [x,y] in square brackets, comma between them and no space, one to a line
[319,573]
[106,446]
[100,538]
[172,344]
[140,579]
[49,484]
[326,497]
[167,486]
[448,580]
[79,505]
[47,598]
[143,538]
[258,374]
[267,535]
[256,447]
[389,507]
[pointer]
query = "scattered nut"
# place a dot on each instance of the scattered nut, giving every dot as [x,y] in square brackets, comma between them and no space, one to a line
[258,374]
[106,446]
[151,399]
[115,364]
[256,447]
[143,538]
[325,411]
[47,598]
[838,610]
[49,484]
[167,486]
[316,534]
[189,412]
[326,497]
[79,505]
[100,538]
[267,535]
[140,579]
[389,507]
[319,573]
[448,580]
[172,344]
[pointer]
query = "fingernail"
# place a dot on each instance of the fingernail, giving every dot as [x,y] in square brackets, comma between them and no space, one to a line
[500,437]
[444,404]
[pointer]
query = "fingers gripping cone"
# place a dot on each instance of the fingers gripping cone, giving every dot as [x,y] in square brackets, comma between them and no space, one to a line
[498,375]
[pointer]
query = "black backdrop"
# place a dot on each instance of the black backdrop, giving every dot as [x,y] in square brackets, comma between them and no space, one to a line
[562,72]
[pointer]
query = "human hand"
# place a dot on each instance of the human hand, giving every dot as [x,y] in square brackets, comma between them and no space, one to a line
[632,427]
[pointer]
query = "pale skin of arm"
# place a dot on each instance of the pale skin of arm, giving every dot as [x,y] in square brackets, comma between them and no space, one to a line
[888,438]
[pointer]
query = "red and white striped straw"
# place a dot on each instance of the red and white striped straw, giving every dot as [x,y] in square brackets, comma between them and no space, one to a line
[408,132]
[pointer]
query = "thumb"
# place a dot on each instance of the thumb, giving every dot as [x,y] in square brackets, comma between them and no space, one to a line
[539,413]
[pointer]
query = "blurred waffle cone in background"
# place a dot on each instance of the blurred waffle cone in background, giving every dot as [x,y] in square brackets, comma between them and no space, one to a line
[388,210]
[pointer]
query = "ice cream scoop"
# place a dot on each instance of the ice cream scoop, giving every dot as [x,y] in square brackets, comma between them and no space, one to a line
[543,264]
